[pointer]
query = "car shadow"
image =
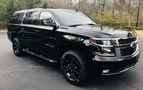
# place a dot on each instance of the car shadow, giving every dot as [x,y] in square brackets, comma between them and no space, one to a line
[124,80]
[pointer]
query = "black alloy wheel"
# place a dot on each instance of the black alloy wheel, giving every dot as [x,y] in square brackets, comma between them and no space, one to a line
[17,49]
[73,67]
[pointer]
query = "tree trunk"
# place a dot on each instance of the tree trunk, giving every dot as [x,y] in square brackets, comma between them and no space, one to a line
[129,20]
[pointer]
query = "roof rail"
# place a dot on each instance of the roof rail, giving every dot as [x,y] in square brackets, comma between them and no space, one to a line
[47,7]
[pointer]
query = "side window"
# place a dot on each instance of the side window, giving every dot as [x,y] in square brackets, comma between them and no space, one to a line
[16,18]
[45,16]
[31,18]
[19,19]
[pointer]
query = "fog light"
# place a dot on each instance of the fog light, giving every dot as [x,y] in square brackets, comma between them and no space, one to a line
[105,71]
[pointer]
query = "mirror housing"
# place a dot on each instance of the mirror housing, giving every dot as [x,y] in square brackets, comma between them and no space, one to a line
[49,23]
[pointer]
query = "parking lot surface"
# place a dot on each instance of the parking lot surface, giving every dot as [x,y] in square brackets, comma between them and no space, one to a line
[32,73]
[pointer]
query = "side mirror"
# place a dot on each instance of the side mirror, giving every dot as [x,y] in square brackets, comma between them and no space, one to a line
[49,23]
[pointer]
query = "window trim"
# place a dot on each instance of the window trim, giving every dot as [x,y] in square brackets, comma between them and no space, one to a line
[54,18]
[21,20]
[29,12]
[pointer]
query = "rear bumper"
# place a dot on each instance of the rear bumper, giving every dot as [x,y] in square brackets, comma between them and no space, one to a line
[115,65]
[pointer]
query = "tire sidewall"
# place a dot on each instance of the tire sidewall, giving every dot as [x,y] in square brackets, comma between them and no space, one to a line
[80,60]
[20,52]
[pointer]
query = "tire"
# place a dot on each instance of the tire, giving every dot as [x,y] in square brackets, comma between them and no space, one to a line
[17,48]
[74,67]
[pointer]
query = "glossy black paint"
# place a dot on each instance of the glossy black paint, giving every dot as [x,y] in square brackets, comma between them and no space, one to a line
[51,40]
[95,31]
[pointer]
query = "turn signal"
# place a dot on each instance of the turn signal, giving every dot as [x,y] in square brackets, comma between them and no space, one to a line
[93,41]
[98,52]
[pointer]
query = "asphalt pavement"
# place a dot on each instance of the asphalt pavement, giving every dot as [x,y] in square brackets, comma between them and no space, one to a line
[32,73]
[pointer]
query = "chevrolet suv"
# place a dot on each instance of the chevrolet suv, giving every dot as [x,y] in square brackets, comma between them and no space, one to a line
[74,40]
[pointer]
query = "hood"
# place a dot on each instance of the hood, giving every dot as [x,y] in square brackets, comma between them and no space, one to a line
[104,32]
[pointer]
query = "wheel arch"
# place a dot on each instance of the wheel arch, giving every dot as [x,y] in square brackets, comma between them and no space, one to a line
[66,47]
[13,35]
[86,51]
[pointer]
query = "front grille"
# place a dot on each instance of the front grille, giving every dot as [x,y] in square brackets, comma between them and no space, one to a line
[128,50]
[126,41]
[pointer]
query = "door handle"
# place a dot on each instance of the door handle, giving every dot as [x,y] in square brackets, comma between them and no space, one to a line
[37,31]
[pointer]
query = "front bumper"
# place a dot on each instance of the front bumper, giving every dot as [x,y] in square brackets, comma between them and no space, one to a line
[115,65]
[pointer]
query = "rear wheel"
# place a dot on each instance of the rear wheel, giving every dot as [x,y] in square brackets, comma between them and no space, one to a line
[73,67]
[17,48]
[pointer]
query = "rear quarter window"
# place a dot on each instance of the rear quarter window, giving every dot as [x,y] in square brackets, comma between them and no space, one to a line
[16,18]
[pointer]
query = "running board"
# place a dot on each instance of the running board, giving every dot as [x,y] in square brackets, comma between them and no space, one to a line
[40,56]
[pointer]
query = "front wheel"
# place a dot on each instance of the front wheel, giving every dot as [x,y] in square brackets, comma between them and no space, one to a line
[74,67]
[17,48]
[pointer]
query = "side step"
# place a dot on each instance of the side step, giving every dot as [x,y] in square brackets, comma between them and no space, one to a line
[40,56]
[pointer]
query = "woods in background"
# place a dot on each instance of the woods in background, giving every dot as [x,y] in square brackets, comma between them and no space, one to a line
[109,12]
[8,7]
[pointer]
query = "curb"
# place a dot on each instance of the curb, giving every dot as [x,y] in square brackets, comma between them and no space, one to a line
[3,30]
[140,33]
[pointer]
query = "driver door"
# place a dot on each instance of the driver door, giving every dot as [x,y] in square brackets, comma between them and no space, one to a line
[47,42]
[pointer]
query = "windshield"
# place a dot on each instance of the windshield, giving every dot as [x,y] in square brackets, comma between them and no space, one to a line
[70,18]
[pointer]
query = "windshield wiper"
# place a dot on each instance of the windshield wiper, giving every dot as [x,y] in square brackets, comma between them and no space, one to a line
[91,24]
[81,24]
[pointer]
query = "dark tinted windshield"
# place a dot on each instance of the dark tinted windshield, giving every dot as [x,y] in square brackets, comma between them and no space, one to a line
[69,18]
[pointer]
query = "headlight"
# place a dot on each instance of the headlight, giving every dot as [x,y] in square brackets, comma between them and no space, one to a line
[106,46]
[102,42]
[107,49]
[106,42]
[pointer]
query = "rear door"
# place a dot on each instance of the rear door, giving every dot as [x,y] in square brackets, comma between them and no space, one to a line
[29,29]
[38,37]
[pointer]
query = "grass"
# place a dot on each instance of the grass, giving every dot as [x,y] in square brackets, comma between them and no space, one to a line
[3,25]
[131,27]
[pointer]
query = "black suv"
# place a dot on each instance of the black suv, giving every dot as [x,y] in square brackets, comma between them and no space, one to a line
[74,40]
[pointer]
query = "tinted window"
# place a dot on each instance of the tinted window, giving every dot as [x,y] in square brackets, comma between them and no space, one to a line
[45,16]
[31,18]
[16,18]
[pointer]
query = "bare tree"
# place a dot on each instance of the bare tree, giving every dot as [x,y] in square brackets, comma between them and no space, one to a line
[125,10]
[128,6]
